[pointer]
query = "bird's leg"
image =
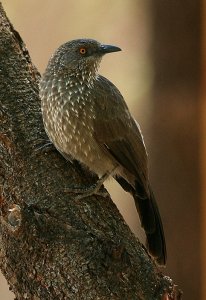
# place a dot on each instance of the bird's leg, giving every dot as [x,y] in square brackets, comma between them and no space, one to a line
[94,189]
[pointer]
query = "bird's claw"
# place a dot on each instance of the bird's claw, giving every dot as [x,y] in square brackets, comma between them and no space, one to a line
[83,192]
[43,145]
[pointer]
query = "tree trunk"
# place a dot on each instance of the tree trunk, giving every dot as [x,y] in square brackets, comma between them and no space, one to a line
[53,246]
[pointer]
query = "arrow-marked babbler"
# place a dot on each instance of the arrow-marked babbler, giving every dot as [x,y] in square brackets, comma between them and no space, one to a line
[87,119]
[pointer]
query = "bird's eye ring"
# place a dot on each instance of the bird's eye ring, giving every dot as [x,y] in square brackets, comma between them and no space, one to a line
[82,50]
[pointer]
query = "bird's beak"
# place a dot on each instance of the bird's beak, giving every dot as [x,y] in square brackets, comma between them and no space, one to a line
[108,48]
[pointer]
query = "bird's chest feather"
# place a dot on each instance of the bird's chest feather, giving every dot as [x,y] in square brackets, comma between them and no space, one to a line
[69,118]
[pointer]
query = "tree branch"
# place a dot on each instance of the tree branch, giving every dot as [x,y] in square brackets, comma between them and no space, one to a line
[51,245]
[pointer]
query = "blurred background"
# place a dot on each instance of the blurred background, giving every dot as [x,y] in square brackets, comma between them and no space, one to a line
[160,72]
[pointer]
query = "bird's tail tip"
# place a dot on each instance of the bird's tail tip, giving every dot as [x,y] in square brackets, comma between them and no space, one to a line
[152,224]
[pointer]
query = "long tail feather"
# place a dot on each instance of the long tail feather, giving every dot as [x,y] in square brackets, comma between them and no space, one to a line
[150,220]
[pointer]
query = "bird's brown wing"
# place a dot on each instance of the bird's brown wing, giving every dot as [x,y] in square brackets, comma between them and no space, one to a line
[117,131]
[119,134]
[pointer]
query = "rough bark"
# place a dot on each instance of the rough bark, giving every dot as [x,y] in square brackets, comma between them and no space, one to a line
[51,245]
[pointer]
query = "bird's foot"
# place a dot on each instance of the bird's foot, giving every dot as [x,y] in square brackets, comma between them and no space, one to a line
[94,189]
[83,192]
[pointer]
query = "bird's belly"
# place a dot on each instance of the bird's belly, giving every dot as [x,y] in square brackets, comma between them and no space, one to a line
[75,138]
[84,148]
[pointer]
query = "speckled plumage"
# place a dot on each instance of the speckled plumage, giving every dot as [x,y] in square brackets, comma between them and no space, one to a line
[87,119]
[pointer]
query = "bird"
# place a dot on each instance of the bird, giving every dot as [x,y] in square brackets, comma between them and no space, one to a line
[87,119]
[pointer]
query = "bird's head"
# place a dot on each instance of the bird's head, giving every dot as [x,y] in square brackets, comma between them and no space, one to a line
[79,56]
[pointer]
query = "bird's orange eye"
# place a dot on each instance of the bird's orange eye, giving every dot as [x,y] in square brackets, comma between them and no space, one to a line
[82,50]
